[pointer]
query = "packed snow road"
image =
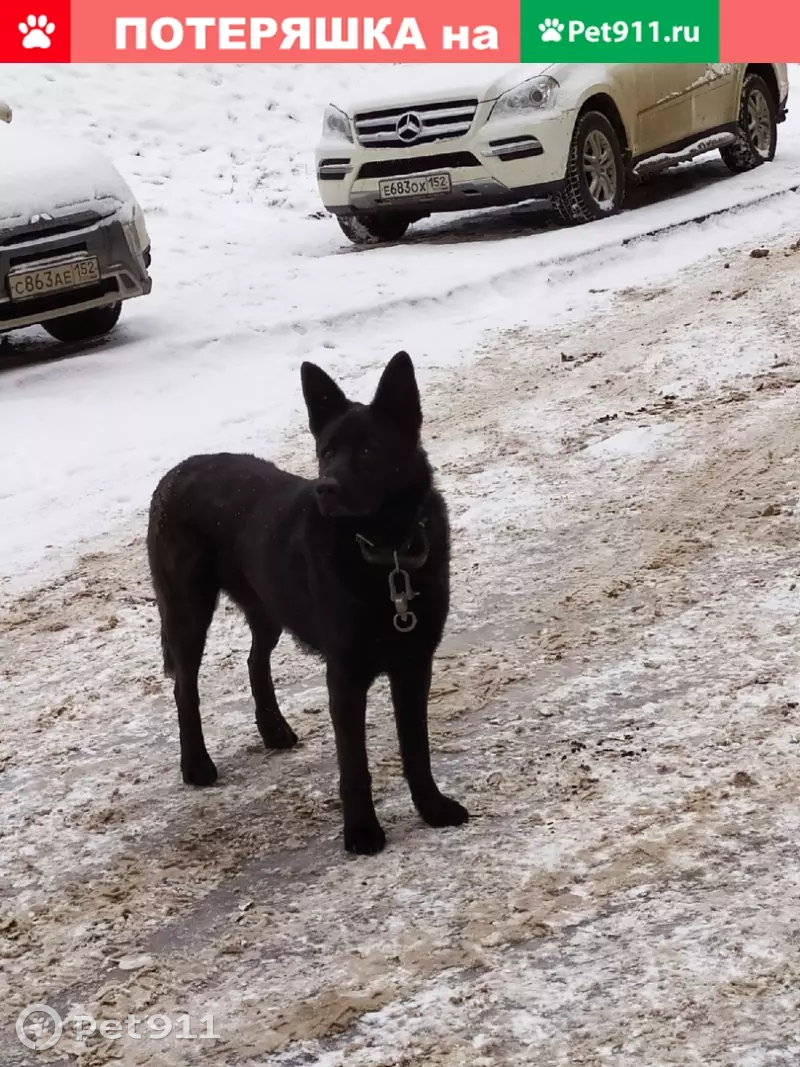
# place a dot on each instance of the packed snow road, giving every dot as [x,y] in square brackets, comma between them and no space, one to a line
[616,700]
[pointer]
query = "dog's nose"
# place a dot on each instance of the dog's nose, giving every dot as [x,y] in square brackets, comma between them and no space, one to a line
[327,489]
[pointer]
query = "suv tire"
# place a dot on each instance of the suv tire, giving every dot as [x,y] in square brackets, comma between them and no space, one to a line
[84,325]
[595,180]
[758,125]
[373,228]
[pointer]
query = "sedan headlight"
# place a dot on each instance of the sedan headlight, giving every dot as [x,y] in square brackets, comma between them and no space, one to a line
[537,94]
[336,125]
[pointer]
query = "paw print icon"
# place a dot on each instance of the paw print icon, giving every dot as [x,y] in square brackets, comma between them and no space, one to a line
[36,32]
[39,1027]
[551,30]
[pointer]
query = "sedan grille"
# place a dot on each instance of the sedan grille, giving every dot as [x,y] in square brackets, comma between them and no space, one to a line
[405,127]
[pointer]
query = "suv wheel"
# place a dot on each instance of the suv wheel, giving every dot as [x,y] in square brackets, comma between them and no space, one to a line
[84,325]
[595,180]
[758,126]
[371,229]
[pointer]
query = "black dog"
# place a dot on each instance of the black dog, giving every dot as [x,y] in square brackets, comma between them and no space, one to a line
[338,562]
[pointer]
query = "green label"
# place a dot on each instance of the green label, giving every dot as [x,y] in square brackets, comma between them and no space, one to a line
[619,31]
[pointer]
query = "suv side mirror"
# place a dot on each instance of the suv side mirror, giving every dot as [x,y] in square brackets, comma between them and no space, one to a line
[5,112]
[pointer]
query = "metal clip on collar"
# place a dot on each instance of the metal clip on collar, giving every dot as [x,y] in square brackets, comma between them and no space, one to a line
[400,593]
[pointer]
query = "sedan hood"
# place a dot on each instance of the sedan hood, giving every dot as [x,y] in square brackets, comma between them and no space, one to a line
[406,85]
[42,174]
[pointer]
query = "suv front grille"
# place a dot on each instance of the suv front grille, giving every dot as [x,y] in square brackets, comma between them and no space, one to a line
[47,253]
[426,123]
[79,220]
[392,168]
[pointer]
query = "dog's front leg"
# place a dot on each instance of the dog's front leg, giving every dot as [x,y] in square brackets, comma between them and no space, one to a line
[410,685]
[348,702]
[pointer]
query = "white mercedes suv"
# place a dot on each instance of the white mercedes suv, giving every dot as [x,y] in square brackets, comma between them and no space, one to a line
[575,133]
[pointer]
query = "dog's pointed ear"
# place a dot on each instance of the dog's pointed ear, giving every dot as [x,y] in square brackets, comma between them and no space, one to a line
[397,395]
[324,399]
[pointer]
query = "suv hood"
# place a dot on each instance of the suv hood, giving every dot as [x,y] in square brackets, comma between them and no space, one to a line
[407,85]
[41,173]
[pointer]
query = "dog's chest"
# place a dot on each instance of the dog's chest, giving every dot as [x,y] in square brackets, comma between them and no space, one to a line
[385,611]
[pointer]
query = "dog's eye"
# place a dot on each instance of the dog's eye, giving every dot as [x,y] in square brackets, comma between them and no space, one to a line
[327,453]
[366,450]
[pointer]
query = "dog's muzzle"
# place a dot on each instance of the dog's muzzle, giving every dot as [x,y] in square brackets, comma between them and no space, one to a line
[328,493]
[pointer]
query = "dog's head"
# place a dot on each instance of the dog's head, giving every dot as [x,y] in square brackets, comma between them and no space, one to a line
[369,454]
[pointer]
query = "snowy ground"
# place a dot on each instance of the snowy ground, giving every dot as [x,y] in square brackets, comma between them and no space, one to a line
[617,697]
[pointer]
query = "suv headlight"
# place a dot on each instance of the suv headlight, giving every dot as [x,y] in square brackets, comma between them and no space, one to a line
[537,94]
[336,125]
[136,231]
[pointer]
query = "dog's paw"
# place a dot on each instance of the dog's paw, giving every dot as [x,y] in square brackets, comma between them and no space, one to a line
[444,812]
[199,772]
[364,838]
[279,735]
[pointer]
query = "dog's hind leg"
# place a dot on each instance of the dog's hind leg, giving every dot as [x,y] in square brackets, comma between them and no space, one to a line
[185,618]
[274,729]
[410,685]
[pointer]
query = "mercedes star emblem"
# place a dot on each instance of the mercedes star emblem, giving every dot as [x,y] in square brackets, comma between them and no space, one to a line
[409,127]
